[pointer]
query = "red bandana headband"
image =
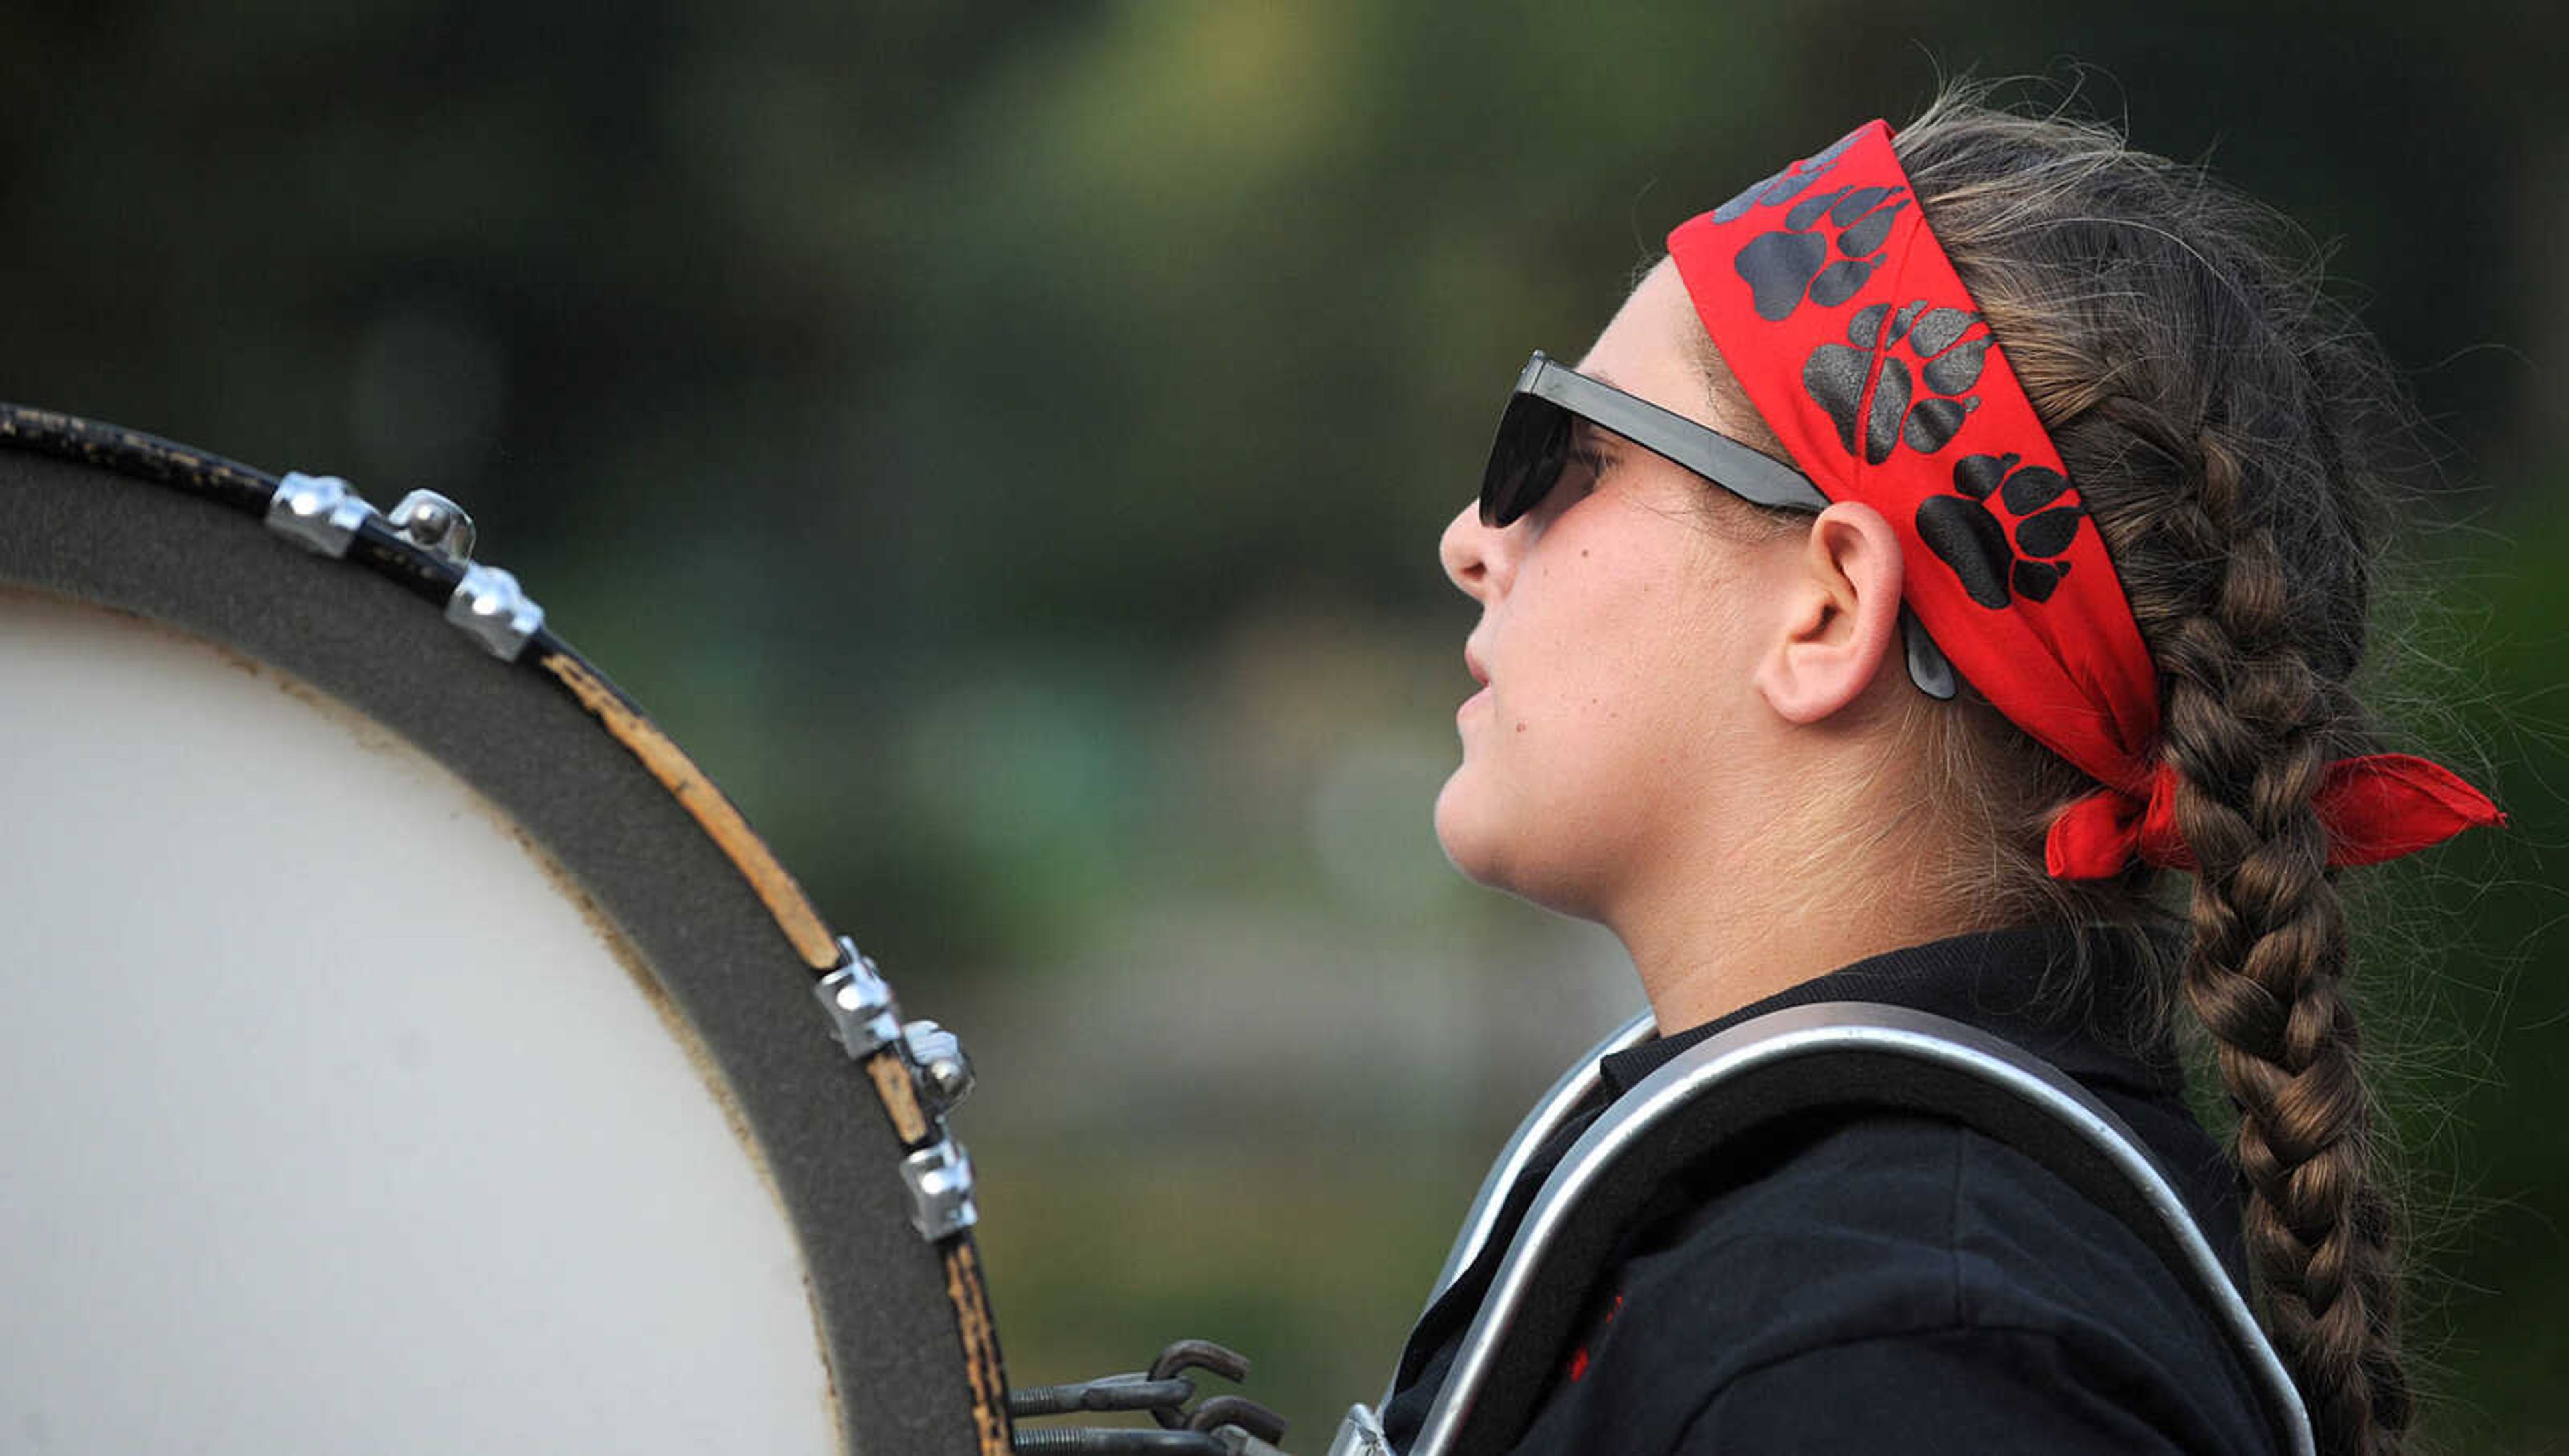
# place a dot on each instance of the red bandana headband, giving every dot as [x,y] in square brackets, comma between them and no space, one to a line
[1841,316]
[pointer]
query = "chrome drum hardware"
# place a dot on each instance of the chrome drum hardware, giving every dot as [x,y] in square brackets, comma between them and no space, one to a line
[433,523]
[864,1016]
[494,610]
[939,1177]
[864,1019]
[323,514]
[320,514]
[944,1072]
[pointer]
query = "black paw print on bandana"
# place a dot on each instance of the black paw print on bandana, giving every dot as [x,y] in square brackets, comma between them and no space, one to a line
[1783,268]
[1783,187]
[1949,344]
[1969,537]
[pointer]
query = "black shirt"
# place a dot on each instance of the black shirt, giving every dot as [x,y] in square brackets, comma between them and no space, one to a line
[1872,1282]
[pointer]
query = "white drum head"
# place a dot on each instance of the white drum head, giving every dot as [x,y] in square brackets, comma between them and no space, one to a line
[338,1119]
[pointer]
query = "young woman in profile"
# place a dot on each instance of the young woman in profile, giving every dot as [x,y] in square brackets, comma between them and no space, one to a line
[1993,400]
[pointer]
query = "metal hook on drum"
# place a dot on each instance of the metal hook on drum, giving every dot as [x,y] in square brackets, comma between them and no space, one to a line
[1219,1410]
[1222,1425]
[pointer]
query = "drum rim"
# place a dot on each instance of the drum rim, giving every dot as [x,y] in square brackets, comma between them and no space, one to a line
[888,1071]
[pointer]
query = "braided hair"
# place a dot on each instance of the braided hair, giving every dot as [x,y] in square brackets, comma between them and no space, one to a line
[2228,427]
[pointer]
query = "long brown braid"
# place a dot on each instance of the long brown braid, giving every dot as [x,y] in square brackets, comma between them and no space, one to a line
[2227,425]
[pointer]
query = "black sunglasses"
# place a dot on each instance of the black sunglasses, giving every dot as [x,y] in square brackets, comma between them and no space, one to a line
[1550,400]
[1543,415]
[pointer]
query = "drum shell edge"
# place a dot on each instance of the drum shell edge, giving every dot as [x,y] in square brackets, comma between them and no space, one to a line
[715,956]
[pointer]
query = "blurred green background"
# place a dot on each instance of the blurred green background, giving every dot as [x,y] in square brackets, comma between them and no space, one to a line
[1006,443]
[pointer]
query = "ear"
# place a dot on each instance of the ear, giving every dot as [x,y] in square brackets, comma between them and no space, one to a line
[1841,614]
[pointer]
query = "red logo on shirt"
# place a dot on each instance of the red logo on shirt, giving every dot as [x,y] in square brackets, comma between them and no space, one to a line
[1579,1356]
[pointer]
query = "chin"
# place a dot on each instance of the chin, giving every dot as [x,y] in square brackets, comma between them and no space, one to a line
[1463,829]
[1479,840]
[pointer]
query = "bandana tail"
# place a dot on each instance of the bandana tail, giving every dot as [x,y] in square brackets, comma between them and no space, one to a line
[2375,808]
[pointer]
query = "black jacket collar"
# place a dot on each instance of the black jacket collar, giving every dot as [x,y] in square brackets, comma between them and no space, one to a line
[2077,998]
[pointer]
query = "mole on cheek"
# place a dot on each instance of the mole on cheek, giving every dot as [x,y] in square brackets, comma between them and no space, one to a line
[1521,725]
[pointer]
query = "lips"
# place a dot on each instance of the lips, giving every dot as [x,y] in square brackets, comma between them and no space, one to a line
[1480,677]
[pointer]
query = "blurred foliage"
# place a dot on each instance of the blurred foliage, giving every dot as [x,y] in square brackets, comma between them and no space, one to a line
[1005,443]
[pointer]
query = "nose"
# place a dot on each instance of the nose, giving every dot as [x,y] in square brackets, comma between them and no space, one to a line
[1475,556]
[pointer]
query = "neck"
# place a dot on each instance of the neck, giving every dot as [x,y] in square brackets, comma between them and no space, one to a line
[1738,926]
[1694,973]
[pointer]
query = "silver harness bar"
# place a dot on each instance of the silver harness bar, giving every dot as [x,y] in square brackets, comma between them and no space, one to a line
[1826,1053]
[1555,1109]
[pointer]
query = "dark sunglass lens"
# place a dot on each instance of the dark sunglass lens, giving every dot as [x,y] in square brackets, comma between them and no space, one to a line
[1525,459]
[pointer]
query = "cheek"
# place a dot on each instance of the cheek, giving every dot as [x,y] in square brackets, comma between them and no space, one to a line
[1594,731]
[1638,672]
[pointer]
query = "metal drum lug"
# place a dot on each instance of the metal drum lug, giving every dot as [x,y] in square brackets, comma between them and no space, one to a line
[320,514]
[943,1072]
[433,524]
[863,1015]
[494,610]
[939,1180]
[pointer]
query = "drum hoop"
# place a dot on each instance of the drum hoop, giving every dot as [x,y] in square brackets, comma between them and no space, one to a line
[888,1069]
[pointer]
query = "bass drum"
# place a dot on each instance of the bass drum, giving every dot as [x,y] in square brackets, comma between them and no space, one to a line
[403,1047]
